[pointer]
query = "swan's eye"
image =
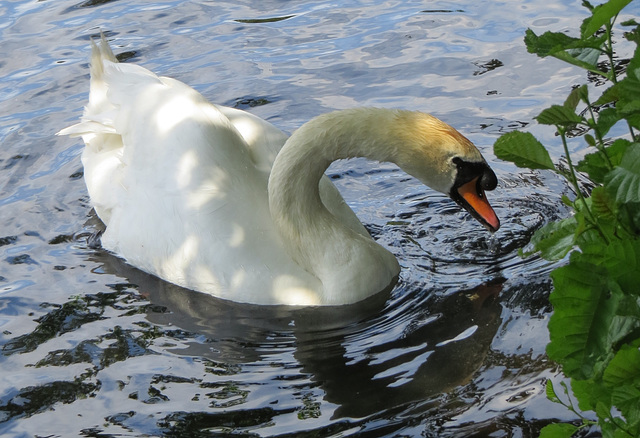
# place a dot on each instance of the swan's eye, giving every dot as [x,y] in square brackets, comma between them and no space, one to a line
[458,162]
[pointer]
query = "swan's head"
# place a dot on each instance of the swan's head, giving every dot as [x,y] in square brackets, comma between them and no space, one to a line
[445,160]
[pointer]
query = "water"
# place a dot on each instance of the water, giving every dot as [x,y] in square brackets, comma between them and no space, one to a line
[93,347]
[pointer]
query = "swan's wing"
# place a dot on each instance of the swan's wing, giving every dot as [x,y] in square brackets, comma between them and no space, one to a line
[178,151]
[136,120]
[263,139]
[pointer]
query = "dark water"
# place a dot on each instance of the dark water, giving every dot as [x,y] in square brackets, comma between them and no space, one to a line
[92,347]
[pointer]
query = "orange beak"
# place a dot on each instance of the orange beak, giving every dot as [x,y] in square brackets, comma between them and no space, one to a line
[475,202]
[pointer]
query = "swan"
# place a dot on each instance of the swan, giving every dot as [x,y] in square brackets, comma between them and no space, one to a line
[217,200]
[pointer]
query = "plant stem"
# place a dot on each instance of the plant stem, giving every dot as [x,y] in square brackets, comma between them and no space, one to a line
[616,421]
[572,173]
[609,49]
[574,181]
[600,140]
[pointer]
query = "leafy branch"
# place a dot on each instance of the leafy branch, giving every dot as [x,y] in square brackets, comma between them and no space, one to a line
[595,327]
[563,429]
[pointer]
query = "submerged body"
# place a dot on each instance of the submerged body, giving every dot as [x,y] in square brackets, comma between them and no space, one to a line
[220,201]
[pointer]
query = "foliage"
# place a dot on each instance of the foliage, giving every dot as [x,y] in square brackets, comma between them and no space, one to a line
[595,327]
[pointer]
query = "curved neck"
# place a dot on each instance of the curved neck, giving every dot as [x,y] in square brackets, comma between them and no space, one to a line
[307,154]
[314,237]
[294,196]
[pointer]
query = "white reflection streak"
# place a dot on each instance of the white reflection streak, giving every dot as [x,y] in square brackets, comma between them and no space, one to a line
[464,335]
[405,371]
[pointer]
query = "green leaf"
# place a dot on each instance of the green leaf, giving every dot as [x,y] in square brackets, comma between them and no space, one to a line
[630,22]
[555,239]
[548,43]
[577,94]
[586,58]
[634,34]
[626,325]
[601,15]
[558,430]
[621,258]
[624,368]
[581,52]
[606,119]
[611,94]
[595,166]
[626,398]
[603,411]
[524,150]
[617,150]
[585,55]
[622,376]
[628,105]
[602,204]
[623,182]
[630,112]
[629,87]
[587,393]
[585,302]
[559,115]
[551,392]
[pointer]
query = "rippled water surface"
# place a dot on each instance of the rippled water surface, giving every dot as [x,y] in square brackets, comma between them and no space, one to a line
[93,347]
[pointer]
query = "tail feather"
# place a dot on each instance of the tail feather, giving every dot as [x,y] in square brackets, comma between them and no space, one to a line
[88,127]
[96,117]
[98,101]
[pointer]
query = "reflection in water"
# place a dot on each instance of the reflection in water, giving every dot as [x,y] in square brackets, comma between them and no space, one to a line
[57,321]
[427,358]
[346,351]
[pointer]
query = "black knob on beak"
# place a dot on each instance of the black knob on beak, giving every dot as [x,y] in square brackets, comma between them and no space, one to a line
[488,180]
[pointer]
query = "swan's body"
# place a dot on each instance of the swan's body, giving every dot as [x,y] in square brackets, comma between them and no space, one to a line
[193,192]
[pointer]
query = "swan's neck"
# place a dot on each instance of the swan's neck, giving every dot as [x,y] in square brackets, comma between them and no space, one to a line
[294,197]
[293,184]
[315,238]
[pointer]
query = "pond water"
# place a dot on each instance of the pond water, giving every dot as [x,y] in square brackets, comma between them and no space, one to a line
[93,347]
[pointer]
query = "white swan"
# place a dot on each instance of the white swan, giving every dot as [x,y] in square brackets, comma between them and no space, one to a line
[220,201]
